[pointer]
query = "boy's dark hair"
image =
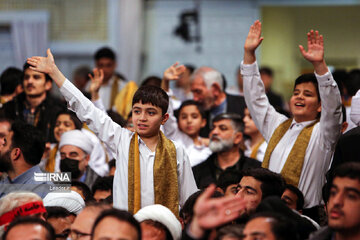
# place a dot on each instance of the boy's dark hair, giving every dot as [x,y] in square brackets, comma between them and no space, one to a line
[152,95]
[30,140]
[50,233]
[187,211]
[267,71]
[349,170]
[282,227]
[191,68]
[26,66]
[78,124]
[57,212]
[196,104]
[235,118]
[10,79]
[228,177]
[152,81]
[120,215]
[340,76]
[103,183]
[112,163]
[343,110]
[85,191]
[233,231]
[105,52]
[308,77]
[272,184]
[116,117]
[299,194]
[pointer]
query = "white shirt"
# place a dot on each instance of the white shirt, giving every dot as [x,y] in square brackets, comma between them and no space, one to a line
[97,159]
[260,153]
[118,140]
[355,109]
[323,138]
[106,89]
[197,154]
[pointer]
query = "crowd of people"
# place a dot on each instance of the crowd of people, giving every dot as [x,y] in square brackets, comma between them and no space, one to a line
[180,157]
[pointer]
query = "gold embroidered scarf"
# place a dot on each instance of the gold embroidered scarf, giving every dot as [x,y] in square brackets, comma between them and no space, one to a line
[254,152]
[50,164]
[294,162]
[114,91]
[165,175]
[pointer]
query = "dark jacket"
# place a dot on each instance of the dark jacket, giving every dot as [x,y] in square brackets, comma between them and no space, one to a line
[49,108]
[324,233]
[205,172]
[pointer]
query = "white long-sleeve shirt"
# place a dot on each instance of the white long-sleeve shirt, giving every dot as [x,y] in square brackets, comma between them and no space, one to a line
[118,140]
[323,138]
[355,109]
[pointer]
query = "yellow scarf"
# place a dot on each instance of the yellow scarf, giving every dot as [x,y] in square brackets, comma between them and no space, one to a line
[123,100]
[294,162]
[114,91]
[165,175]
[50,164]
[254,152]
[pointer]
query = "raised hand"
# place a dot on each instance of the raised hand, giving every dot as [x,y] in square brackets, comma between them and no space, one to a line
[315,52]
[42,64]
[213,212]
[96,80]
[252,42]
[172,73]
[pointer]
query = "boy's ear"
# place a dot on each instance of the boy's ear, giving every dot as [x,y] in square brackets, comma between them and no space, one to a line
[165,117]
[203,122]
[319,108]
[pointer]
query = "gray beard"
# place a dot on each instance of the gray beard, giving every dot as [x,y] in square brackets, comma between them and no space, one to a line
[221,145]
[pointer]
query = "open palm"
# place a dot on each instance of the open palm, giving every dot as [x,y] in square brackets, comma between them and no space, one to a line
[42,64]
[254,38]
[174,72]
[315,52]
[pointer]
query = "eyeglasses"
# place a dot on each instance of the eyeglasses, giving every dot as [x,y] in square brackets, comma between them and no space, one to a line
[75,235]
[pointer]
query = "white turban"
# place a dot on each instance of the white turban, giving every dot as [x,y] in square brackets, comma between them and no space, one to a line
[78,139]
[71,201]
[163,215]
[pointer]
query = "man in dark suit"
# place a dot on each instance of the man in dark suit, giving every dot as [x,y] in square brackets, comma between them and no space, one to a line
[226,139]
[207,86]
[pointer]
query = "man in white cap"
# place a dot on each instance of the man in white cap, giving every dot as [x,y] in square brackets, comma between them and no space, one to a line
[157,220]
[71,201]
[75,148]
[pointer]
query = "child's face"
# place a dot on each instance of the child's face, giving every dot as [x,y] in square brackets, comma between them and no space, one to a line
[63,124]
[304,103]
[147,119]
[190,120]
[249,124]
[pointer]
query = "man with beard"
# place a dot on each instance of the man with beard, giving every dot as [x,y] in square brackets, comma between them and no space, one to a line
[20,154]
[75,148]
[35,105]
[226,138]
[343,207]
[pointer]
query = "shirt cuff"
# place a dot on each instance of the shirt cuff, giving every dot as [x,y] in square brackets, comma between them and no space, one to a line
[326,79]
[65,88]
[249,69]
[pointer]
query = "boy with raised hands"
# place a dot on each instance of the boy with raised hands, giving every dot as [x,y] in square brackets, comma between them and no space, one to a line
[150,169]
[299,148]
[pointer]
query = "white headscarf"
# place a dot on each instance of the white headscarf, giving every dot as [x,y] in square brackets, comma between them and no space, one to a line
[78,139]
[71,201]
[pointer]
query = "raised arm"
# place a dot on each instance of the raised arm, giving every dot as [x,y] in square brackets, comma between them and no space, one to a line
[172,73]
[315,52]
[95,84]
[252,42]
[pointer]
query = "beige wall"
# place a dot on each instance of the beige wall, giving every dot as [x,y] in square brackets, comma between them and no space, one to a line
[284,28]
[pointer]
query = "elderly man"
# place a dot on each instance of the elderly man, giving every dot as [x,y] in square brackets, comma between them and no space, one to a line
[75,148]
[207,86]
[226,138]
[20,154]
[343,207]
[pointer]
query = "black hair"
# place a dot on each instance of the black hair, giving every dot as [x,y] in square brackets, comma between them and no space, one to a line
[348,169]
[343,110]
[105,52]
[50,233]
[352,84]
[47,76]
[272,184]
[298,193]
[267,71]
[152,95]
[282,227]
[191,68]
[120,215]
[57,212]
[190,103]
[30,140]
[10,79]
[85,191]
[112,163]
[224,82]
[340,76]
[152,81]
[78,124]
[116,117]
[159,225]
[235,118]
[228,177]
[103,183]
[233,231]
[308,77]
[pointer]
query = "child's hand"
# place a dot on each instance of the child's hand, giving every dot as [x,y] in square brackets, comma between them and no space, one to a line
[315,51]
[254,38]
[96,80]
[174,72]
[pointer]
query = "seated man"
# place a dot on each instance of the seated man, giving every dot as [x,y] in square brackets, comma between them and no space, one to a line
[102,188]
[226,138]
[299,148]
[10,84]
[75,148]
[20,156]
[60,220]
[343,207]
[293,198]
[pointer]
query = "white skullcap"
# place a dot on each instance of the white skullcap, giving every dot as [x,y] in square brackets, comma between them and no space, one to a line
[163,215]
[78,139]
[71,201]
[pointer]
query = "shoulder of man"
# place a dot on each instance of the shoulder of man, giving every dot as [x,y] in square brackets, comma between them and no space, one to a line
[324,233]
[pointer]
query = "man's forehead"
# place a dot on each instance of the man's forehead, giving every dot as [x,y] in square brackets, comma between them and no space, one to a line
[29,71]
[250,181]
[71,148]
[226,122]
[346,182]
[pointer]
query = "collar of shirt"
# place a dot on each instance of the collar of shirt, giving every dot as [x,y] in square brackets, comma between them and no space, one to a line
[297,125]
[83,177]
[219,109]
[22,178]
